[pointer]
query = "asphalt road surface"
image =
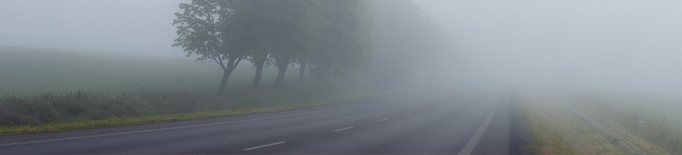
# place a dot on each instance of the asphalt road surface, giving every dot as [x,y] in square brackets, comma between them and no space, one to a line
[406,123]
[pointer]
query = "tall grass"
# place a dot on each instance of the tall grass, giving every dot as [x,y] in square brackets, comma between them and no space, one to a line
[41,87]
[555,130]
[659,131]
[84,105]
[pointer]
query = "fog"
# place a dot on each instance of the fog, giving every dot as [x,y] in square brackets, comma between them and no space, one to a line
[621,45]
[341,76]
[618,45]
[126,26]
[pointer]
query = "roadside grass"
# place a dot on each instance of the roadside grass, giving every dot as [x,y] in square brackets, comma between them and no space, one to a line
[48,90]
[555,130]
[645,104]
[122,121]
[650,134]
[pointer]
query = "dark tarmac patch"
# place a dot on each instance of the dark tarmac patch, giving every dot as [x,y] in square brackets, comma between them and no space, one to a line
[519,137]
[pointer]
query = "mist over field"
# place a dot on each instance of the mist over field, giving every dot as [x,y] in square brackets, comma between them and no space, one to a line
[618,60]
[122,27]
[616,45]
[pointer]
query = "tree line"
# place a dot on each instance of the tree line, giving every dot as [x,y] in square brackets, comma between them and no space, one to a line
[324,37]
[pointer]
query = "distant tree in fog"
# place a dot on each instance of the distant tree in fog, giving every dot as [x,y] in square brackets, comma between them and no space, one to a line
[401,38]
[203,29]
[343,44]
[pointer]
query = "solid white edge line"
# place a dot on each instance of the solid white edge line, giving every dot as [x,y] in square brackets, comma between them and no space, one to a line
[262,146]
[346,128]
[178,127]
[382,119]
[469,147]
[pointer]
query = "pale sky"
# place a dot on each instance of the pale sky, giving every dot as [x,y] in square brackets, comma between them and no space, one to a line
[620,43]
[617,43]
[129,26]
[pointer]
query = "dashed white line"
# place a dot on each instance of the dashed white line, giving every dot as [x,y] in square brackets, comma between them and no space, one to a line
[382,120]
[469,147]
[407,113]
[262,146]
[346,128]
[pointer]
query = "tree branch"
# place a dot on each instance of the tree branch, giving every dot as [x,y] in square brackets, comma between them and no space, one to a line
[220,61]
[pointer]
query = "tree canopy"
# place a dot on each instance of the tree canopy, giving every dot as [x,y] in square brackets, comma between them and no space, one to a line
[332,38]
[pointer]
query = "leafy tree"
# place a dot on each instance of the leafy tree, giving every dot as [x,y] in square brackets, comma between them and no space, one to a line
[294,25]
[203,29]
[258,17]
[344,44]
[402,37]
[279,31]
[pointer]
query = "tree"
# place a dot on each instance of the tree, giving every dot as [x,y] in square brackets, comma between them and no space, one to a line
[295,23]
[402,37]
[253,16]
[344,43]
[278,30]
[203,30]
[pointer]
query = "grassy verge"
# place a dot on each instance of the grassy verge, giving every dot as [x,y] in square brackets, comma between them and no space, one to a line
[554,130]
[651,135]
[121,121]
[47,90]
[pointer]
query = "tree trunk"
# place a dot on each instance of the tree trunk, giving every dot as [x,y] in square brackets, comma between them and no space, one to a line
[223,82]
[259,73]
[260,62]
[282,69]
[301,71]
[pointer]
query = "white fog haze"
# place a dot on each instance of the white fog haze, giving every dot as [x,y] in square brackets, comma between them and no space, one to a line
[341,77]
[141,27]
[632,45]
[604,44]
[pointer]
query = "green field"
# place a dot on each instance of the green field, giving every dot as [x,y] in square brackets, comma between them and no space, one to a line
[647,119]
[647,105]
[43,89]
[554,129]
[31,72]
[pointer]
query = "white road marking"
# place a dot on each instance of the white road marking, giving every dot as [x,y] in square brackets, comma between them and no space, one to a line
[407,113]
[262,146]
[469,147]
[346,128]
[382,119]
[425,107]
[178,127]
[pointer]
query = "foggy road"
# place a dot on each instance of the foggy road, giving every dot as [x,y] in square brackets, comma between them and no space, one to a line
[455,123]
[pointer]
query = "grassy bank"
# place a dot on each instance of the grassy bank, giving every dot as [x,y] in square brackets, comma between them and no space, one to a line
[133,120]
[48,90]
[554,130]
[648,121]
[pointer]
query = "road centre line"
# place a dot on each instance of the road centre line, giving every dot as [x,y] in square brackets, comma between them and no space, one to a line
[346,128]
[262,146]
